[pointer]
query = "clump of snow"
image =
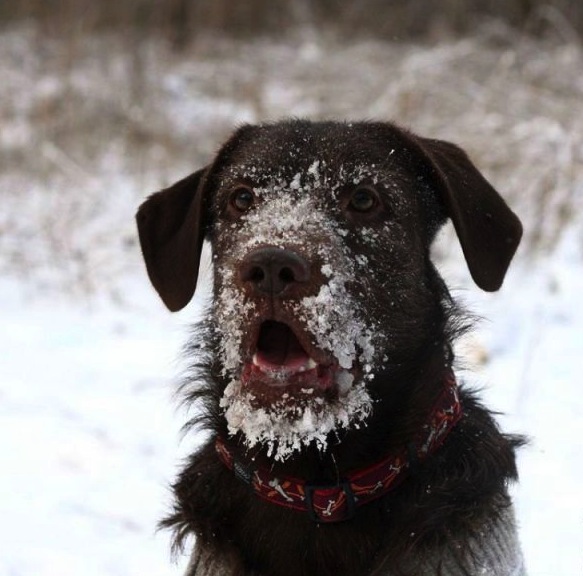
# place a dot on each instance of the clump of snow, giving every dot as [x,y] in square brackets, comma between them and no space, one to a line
[295,184]
[344,380]
[234,311]
[314,171]
[333,318]
[284,428]
[327,270]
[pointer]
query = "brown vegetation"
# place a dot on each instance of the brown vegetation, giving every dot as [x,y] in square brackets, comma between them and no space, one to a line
[183,20]
[92,122]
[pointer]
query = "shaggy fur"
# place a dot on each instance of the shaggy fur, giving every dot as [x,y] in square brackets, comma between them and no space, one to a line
[437,520]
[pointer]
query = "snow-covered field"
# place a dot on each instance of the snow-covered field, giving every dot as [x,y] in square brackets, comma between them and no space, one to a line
[89,430]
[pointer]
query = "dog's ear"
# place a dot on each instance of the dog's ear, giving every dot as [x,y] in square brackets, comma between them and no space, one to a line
[171,228]
[488,231]
[172,225]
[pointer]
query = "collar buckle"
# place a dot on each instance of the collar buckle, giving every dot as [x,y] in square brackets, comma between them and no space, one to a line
[330,503]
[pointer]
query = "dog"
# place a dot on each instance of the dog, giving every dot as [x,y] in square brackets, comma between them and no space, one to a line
[339,440]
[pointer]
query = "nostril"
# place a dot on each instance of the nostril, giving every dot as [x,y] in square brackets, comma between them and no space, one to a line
[253,273]
[287,275]
[256,274]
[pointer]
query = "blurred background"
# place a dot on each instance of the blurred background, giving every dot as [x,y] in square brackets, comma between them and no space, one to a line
[102,103]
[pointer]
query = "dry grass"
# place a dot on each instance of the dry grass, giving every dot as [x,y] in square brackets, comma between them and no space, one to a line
[179,21]
[92,124]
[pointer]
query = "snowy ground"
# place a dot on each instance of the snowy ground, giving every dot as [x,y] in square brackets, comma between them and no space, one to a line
[89,431]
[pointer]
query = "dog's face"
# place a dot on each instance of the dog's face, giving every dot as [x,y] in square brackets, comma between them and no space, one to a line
[320,236]
[318,250]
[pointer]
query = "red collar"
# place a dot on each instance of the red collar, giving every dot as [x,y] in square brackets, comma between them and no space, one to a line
[337,502]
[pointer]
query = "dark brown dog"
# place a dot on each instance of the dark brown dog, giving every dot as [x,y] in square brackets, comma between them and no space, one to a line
[340,444]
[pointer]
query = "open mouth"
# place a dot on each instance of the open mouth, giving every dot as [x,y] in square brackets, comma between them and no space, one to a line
[281,361]
[291,392]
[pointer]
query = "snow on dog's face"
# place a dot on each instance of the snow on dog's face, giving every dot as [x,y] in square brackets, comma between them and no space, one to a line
[315,264]
[324,292]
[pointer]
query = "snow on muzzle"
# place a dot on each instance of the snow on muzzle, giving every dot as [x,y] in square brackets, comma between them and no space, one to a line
[303,374]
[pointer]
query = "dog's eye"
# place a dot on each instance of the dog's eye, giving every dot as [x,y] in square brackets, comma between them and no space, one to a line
[241,198]
[363,199]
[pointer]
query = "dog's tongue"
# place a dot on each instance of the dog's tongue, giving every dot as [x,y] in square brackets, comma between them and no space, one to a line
[278,347]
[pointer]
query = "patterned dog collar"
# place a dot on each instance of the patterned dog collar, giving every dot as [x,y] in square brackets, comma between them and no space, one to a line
[338,502]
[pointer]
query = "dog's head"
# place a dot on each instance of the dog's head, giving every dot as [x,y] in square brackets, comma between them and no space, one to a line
[320,235]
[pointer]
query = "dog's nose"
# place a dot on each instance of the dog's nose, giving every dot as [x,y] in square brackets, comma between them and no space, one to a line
[273,270]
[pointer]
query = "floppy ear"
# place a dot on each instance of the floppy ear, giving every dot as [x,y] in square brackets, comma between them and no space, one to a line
[171,228]
[488,231]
